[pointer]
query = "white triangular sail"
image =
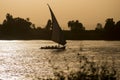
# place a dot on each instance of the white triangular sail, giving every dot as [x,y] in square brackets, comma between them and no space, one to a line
[57,35]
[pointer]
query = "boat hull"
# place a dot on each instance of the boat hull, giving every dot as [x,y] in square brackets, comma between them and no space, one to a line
[51,47]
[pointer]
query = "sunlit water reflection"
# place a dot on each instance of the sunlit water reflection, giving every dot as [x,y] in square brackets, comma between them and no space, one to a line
[23,60]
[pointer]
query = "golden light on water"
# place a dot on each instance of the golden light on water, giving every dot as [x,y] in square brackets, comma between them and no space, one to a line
[19,61]
[23,60]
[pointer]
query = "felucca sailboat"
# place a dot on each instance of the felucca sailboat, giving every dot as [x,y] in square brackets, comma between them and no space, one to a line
[57,34]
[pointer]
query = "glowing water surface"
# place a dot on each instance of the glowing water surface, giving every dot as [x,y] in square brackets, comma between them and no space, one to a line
[23,60]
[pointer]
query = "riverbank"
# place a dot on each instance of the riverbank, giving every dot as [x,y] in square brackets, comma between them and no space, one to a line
[46,35]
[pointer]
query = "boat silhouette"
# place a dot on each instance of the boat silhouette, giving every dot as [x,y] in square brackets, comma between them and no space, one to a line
[57,34]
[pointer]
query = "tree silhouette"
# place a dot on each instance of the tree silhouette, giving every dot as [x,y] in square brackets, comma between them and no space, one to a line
[9,17]
[109,29]
[117,30]
[16,25]
[109,25]
[7,24]
[99,27]
[76,26]
[117,27]
[28,19]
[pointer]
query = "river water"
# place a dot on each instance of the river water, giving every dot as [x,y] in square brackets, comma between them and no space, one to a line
[24,60]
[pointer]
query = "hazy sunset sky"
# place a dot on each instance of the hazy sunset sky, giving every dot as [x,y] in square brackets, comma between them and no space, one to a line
[88,12]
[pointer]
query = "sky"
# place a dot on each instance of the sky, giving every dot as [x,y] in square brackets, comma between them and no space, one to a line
[88,12]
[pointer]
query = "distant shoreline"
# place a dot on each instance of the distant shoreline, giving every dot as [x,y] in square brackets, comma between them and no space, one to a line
[46,35]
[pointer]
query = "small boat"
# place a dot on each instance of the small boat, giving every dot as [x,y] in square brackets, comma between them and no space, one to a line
[53,47]
[57,34]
